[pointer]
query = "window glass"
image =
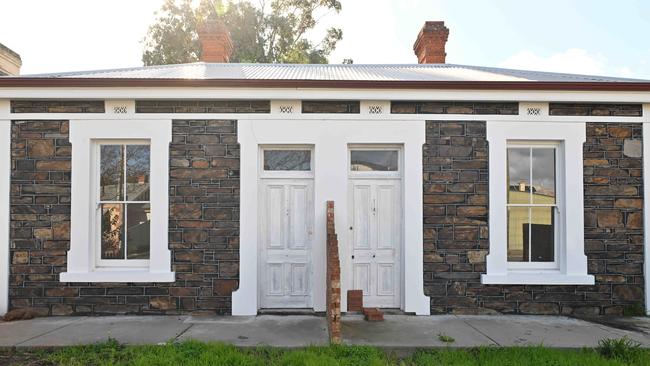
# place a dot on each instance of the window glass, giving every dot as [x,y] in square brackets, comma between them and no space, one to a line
[518,175]
[531,204]
[517,221]
[542,234]
[373,160]
[111,178]
[543,179]
[138,230]
[137,172]
[287,160]
[124,202]
[112,231]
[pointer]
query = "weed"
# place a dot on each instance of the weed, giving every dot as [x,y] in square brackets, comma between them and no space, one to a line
[623,349]
[635,309]
[445,338]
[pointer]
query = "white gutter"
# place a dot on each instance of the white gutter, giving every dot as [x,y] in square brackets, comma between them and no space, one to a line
[321,93]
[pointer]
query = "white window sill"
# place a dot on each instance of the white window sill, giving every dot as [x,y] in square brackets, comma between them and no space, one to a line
[537,278]
[122,275]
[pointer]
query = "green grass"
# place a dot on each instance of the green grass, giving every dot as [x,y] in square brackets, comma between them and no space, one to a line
[613,352]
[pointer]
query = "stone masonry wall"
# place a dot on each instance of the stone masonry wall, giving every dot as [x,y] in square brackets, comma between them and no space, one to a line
[204,220]
[456,231]
[204,225]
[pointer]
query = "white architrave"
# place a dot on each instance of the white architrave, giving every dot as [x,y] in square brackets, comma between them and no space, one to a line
[5,181]
[330,139]
[573,261]
[646,205]
[81,258]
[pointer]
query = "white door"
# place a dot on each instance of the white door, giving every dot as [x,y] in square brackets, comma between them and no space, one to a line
[376,240]
[287,223]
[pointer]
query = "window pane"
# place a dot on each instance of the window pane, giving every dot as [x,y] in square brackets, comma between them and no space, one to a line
[518,175]
[111,179]
[138,229]
[112,231]
[543,175]
[518,219]
[287,160]
[374,160]
[137,172]
[542,234]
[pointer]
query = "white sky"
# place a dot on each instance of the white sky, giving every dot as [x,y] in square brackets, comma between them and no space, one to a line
[586,36]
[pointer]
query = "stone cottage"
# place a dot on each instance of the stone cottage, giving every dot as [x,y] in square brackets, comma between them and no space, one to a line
[201,188]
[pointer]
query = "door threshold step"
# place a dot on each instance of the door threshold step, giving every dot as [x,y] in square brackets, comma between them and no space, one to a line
[290,312]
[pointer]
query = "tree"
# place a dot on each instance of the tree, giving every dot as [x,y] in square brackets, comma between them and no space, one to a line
[272,32]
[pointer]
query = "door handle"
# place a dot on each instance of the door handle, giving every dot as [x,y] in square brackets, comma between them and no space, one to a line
[373,255]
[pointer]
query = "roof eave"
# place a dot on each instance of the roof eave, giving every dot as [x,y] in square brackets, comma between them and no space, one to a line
[38,82]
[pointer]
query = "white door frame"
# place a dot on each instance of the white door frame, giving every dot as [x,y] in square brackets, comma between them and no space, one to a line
[284,177]
[646,204]
[330,139]
[377,176]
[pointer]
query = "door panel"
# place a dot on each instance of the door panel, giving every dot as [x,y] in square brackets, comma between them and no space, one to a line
[386,205]
[375,210]
[385,279]
[362,277]
[286,231]
[362,212]
[299,226]
[276,279]
[299,279]
[275,216]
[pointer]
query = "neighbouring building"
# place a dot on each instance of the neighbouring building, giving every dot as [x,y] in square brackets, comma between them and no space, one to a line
[10,61]
[201,188]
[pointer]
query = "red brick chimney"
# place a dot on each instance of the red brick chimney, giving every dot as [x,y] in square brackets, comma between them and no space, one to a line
[216,44]
[430,45]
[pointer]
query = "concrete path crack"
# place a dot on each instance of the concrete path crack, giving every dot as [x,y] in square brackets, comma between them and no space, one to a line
[49,331]
[479,331]
[182,332]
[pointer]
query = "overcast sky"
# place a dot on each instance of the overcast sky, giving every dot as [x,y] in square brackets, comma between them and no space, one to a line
[601,37]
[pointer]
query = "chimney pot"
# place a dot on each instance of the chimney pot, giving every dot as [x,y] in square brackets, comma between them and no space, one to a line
[216,44]
[429,47]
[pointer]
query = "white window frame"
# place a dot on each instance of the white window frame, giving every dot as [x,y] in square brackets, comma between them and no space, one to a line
[286,173]
[375,174]
[85,136]
[558,231]
[571,268]
[96,228]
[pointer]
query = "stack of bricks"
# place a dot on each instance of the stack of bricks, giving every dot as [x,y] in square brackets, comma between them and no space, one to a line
[355,300]
[333,279]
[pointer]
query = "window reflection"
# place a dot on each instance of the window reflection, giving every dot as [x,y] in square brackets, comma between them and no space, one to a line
[373,160]
[287,160]
[124,180]
[531,204]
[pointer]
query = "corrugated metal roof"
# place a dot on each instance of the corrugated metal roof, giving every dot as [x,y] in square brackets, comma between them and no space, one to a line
[332,72]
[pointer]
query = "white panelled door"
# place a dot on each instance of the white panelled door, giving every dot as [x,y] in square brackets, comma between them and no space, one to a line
[375,209]
[286,233]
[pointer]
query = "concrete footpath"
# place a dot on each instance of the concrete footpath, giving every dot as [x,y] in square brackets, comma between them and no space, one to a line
[397,331]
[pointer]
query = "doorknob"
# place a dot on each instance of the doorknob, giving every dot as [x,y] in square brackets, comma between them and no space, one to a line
[373,255]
